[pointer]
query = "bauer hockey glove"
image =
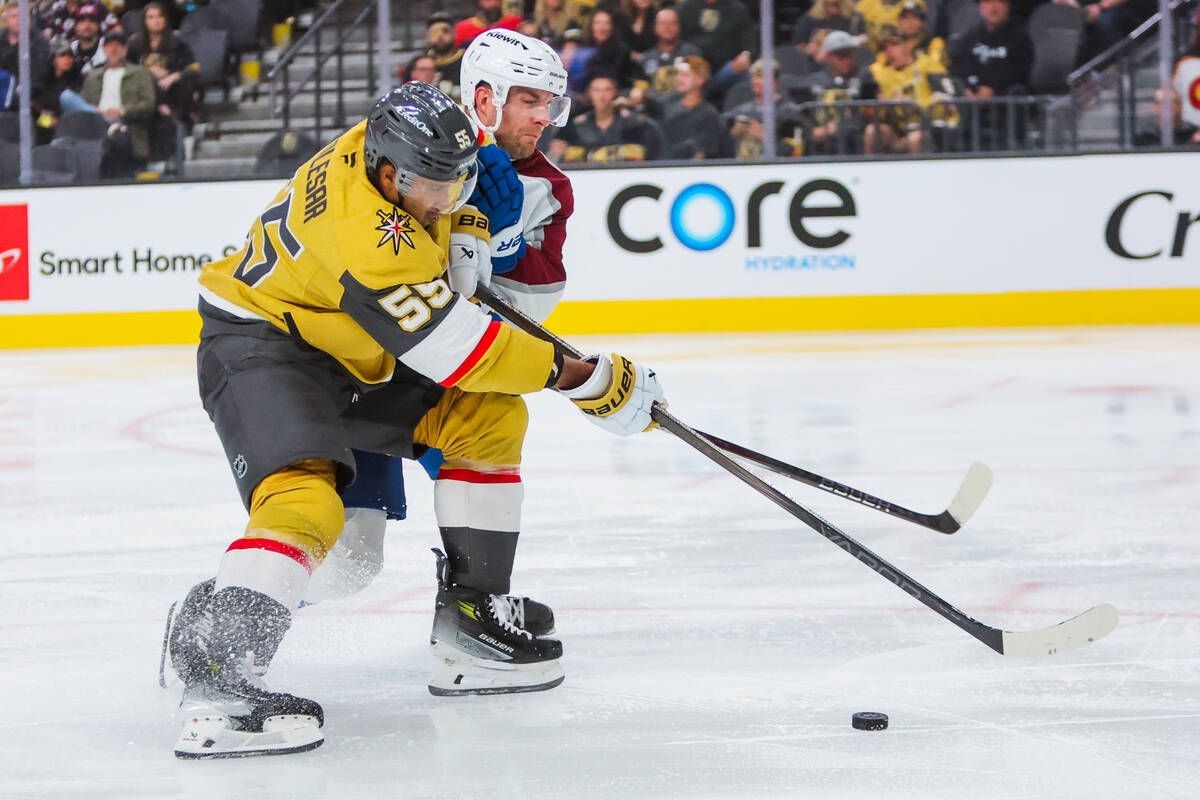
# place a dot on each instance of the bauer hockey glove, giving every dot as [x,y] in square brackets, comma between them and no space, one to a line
[470,263]
[619,395]
[500,195]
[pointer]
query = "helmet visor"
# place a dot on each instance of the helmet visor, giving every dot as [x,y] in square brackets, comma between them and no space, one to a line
[441,197]
[559,109]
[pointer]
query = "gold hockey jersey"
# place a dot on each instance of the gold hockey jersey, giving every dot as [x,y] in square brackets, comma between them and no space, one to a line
[332,262]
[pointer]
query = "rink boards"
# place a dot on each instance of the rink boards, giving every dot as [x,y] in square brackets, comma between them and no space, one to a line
[1100,239]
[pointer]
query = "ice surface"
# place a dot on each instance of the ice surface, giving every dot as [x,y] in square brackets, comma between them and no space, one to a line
[714,646]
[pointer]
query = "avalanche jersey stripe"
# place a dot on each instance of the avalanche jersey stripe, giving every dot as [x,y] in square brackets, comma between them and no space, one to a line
[489,336]
[535,285]
[533,300]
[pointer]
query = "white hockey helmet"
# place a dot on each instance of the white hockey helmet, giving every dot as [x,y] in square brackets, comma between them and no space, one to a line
[503,59]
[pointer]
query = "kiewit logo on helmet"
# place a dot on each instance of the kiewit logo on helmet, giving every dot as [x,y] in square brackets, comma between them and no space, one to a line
[510,40]
[14,252]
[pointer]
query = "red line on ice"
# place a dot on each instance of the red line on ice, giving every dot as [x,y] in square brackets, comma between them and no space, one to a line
[136,430]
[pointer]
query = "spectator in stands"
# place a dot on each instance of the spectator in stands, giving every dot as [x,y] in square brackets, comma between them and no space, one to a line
[62,16]
[528,28]
[878,15]
[85,37]
[1186,80]
[899,78]
[60,92]
[607,133]
[64,75]
[725,34]
[553,20]
[1185,101]
[658,62]
[1103,22]
[575,54]
[692,126]
[928,51]
[825,16]
[994,57]
[488,14]
[747,131]
[642,15]
[841,131]
[170,61]
[611,55]
[420,67]
[125,94]
[39,58]
[615,9]
[447,56]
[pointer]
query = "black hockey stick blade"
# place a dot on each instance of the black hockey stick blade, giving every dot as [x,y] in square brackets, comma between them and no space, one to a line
[970,495]
[966,502]
[1090,626]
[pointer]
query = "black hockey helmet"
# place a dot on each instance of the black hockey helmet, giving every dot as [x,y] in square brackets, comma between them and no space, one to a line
[423,134]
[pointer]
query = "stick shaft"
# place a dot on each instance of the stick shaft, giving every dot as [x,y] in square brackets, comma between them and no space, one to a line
[991,637]
[942,522]
[939,522]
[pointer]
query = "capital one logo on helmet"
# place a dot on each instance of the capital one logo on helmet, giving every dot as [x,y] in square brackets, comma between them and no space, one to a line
[14,252]
[702,215]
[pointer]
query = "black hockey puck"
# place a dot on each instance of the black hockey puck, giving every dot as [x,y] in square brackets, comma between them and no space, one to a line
[869,721]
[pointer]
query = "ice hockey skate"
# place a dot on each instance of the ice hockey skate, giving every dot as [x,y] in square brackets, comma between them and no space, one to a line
[226,710]
[185,639]
[480,646]
[525,612]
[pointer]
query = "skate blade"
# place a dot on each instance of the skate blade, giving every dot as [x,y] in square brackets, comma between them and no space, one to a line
[166,672]
[205,737]
[455,673]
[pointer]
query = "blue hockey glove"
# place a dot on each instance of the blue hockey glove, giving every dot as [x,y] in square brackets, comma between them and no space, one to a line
[500,195]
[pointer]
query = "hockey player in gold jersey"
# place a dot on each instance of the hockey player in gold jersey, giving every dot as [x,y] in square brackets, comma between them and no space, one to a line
[514,87]
[334,327]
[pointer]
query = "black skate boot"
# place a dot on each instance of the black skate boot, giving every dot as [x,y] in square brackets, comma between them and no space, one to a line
[227,711]
[185,640]
[479,647]
[527,613]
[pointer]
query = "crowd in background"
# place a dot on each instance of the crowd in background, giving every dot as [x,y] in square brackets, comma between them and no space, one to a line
[122,61]
[656,79]
[650,79]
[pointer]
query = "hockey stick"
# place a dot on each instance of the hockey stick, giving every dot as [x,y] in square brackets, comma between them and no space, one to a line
[970,495]
[1080,630]
[971,492]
